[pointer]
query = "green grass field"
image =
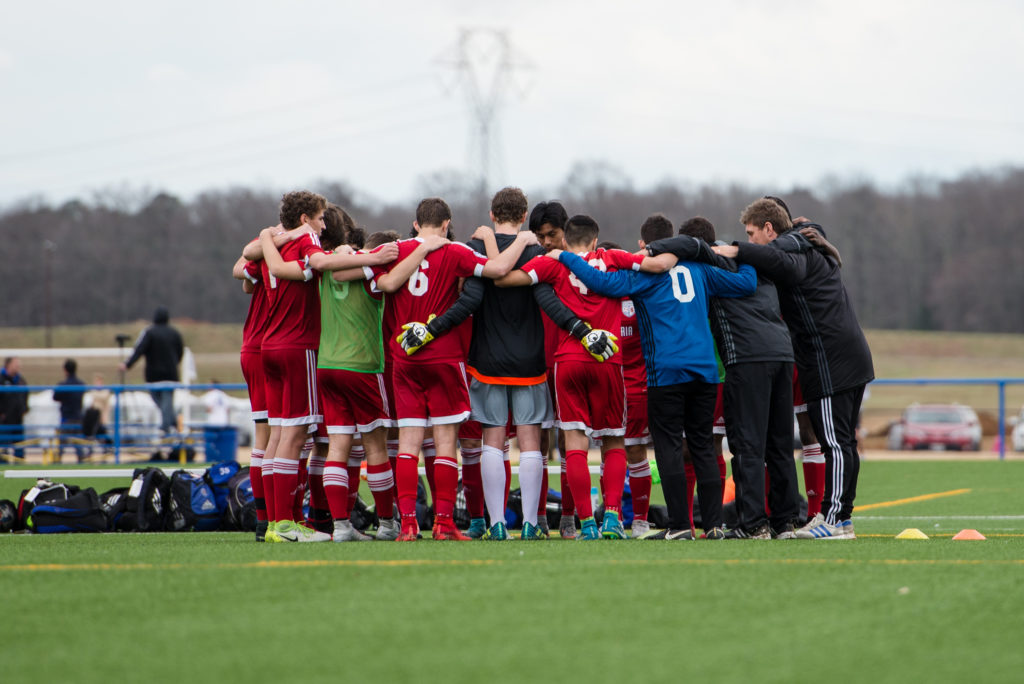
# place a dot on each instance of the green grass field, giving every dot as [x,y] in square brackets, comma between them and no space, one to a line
[218,607]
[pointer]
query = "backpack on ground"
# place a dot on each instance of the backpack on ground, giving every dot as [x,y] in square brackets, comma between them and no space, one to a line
[147,502]
[80,512]
[241,506]
[44,491]
[8,515]
[113,503]
[191,505]
[218,476]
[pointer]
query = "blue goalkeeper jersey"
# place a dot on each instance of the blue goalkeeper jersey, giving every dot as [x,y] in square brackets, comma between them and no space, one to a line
[671,312]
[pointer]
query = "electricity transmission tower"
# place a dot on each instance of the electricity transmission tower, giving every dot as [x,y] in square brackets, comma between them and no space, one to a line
[486,67]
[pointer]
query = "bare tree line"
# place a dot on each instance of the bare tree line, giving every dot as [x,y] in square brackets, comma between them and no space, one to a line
[930,255]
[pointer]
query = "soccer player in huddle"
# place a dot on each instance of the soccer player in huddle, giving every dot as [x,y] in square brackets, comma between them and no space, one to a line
[591,400]
[431,388]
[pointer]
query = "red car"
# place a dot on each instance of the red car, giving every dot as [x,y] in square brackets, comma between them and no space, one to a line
[938,426]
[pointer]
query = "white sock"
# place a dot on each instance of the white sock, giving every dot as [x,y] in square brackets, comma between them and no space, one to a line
[492,472]
[531,468]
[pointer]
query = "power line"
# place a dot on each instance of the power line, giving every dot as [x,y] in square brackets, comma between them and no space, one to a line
[485,66]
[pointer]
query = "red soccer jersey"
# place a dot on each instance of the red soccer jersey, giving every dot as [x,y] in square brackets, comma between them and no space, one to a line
[432,289]
[634,372]
[256,319]
[597,310]
[293,313]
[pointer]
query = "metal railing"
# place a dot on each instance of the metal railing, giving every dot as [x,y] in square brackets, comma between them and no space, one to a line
[117,443]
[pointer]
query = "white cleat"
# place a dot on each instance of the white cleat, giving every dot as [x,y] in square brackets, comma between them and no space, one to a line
[388,530]
[345,532]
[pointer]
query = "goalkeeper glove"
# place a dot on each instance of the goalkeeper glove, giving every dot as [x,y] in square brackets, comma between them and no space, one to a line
[599,343]
[415,335]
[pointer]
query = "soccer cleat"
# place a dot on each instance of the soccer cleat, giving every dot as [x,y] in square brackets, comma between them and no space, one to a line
[387,530]
[760,532]
[497,532]
[680,535]
[477,528]
[639,528]
[532,533]
[567,527]
[611,526]
[787,531]
[410,530]
[824,531]
[589,530]
[345,532]
[448,532]
[294,532]
[715,533]
[261,530]
[542,524]
[271,534]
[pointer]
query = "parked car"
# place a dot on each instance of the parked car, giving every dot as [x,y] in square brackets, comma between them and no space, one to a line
[1018,432]
[937,426]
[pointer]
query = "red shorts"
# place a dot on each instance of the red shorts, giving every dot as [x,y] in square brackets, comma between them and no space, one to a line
[719,428]
[353,402]
[799,405]
[637,430]
[591,397]
[430,393]
[252,371]
[290,376]
[471,429]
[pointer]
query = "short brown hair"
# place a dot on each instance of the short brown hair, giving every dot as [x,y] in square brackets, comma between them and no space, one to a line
[295,204]
[699,227]
[338,225]
[762,211]
[380,238]
[509,206]
[655,227]
[356,238]
[433,211]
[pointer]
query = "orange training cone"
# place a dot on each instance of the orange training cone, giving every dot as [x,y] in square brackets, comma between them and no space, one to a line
[965,535]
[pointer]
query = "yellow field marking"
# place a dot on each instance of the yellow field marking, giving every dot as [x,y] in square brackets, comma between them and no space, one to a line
[62,567]
[913,499]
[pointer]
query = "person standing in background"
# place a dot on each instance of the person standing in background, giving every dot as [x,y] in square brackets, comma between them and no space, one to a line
[70,408]
[162,346]
[13,406]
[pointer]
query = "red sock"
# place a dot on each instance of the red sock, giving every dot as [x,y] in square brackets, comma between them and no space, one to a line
[614,479]
[814,484]
[381,481]
[256,481]
[354,471]
[640,488]
[472,482]
[446,475]
[406,475]
[315,473]
[568,501]
[722,471]
[767,486]
[691,487]
[286,484]
[268,488]
[600,478]
[300,492]
[578,475]
[336,490]
[393,460]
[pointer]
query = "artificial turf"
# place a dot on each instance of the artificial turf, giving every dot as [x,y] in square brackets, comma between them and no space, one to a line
[219,607]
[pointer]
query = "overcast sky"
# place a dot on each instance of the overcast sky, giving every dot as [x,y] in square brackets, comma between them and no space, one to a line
[189,96]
